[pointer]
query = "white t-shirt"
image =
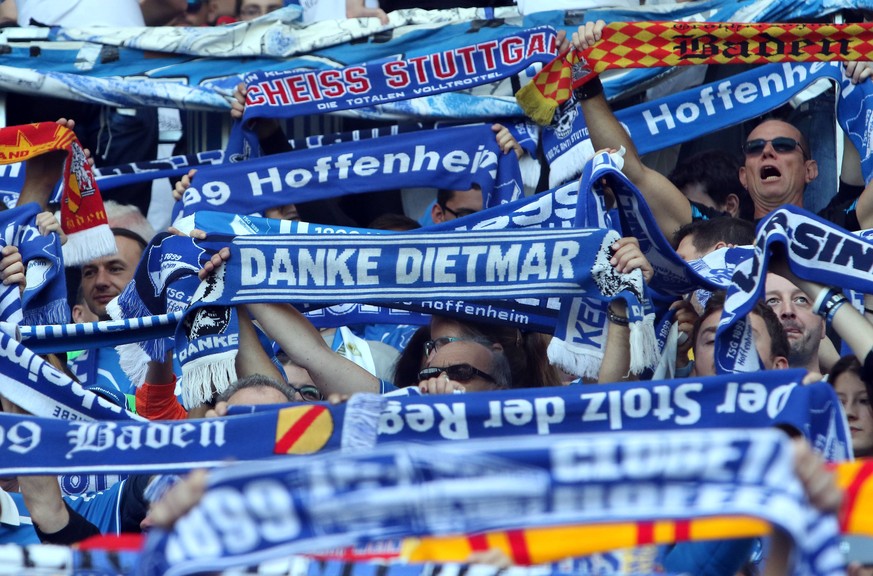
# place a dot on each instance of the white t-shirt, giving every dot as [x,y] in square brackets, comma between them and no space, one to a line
[80,13]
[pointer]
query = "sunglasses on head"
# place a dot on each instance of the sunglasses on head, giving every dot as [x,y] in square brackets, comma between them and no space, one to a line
[432,346]
[782,145]
[456,372]
[308,392]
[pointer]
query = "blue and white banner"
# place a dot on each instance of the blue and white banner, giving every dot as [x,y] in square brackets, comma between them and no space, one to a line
[126,73]
[291,506]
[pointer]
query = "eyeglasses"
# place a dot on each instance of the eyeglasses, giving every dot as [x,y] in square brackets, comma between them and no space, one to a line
[459,213]
[456,372]
[308,392]
[432,346]
[782,145]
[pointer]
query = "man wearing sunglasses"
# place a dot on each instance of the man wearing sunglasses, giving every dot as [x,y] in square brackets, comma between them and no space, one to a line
[776,169]
[464,365]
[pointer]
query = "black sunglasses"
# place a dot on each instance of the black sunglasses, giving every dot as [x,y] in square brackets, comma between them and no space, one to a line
[308,392]
[460,213]
[782,145]
[456,372]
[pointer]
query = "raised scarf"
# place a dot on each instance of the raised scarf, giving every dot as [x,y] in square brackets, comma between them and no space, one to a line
[488,265]
[453,158]
[653,44]
[44,300]
[763,400]
[291,506]
[82,216]
[695,112]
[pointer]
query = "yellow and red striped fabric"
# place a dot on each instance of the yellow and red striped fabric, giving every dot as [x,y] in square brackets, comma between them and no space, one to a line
[552,544]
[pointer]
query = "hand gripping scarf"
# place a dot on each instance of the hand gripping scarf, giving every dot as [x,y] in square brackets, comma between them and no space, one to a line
[653,44]
[44,300]
[82,216]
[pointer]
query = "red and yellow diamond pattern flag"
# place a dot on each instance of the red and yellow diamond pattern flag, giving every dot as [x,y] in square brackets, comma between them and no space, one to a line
[659,44]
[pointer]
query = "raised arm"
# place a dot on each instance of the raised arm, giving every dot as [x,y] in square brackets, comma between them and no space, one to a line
[669,206]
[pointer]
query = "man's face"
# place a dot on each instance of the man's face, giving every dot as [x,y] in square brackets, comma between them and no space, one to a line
[465,352]
[704,345]
[462,203]
[804,328]
[104,278]
[776,178]
[251,9]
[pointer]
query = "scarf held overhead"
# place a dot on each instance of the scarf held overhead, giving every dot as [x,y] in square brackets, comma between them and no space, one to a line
[492,265]
[453,158]
[272,94]
[117,442]
[82,215]
[471,487]
[657,44]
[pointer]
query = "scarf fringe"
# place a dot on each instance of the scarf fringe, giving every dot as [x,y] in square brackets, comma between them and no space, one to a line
[361,422]
[643,344]
[134,362]
[530,170]
[205,377]
[55,312]
[569,165]
[86,245]
[537,106]
[573,359]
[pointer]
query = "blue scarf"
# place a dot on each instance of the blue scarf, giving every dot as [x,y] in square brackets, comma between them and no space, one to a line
[492,265]
[693,113]
[33,384]
[760,400]
[289,506]
[453,158]
[44,301]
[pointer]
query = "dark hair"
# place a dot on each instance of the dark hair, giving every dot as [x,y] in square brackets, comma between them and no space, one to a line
[444,194]
[707,233]
[717,172]
[845,364]
[391,221]
[526,352]
[779,345]
[850,364]
[411,359]
[255,381]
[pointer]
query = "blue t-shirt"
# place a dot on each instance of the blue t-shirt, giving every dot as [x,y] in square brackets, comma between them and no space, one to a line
[16,527]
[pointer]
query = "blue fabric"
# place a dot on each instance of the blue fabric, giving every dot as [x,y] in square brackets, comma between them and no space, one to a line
[462,489]
[449,158]
[735,401]
[715,558]
[100,370]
